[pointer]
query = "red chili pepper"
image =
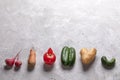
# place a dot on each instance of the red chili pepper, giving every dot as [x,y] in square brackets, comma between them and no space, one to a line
[49,57]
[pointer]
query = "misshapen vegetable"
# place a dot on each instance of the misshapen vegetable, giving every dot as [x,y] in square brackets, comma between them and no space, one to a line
[18,62]
[68,56]
[32,58]
[49,57]
[108,63]
[87,56]
[11,61]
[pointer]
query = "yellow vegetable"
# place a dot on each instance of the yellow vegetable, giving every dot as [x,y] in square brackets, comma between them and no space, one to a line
[87,56]
[32,58]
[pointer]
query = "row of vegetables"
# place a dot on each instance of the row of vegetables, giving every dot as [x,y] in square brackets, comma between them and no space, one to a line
[68,58]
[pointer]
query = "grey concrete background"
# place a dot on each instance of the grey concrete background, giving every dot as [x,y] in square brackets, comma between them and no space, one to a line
[55,23]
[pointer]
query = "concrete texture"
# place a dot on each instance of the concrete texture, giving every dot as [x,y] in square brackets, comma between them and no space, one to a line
[55,23]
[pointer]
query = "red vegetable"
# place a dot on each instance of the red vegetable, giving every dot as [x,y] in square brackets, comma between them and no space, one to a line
[49,57]
[18,63]
[10,62]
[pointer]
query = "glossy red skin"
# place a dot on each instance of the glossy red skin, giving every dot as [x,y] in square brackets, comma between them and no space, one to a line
[49,57]
[10,62]
[18,63]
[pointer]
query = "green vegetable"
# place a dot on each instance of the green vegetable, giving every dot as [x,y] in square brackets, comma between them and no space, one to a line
[68,56]
[108,63]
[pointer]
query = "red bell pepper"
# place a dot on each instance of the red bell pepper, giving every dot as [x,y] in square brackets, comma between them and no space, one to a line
[49,57]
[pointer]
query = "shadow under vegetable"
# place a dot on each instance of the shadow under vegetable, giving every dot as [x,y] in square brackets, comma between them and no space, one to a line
[6,67]
[30,67]
[17,68]
[67,67]
[47,67]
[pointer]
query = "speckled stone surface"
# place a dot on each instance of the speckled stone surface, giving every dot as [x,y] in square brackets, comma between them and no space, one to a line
[55,23]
